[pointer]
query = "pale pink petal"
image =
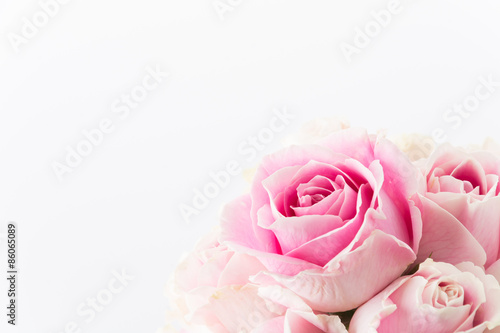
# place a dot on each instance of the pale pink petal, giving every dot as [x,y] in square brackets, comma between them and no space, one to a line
[207,248]
[273,325]
[299,316]
[238,269]
[184,279]
[283,297]
[239,309]
[481,218]
[209,273]
[444,238]
[494,269]
[195,302]
[452,185]
[236,226]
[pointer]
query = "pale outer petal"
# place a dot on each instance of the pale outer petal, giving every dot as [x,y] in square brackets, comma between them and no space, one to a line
[299,316]
[415,146]
[315,130]
[239,309]
[246,309]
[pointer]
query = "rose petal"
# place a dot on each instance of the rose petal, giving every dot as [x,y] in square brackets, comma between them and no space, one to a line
[237,270]
[236,226]
[274,325]
[494,269]
[300,317]
[444,238]
[239,309]
[481,218]
[295,231]
[322,207]
[471,171]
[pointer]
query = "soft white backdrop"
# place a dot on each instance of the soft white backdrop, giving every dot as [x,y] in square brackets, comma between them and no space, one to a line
[119,208]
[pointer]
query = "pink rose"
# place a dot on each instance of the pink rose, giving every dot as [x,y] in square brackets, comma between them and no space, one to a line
[332,222]
[461,209]
[212,293]
[439,298]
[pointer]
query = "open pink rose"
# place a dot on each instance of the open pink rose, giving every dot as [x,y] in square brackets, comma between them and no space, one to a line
[438,298]
[333,222]
[461,209]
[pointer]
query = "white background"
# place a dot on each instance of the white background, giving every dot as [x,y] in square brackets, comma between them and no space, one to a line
[119,209]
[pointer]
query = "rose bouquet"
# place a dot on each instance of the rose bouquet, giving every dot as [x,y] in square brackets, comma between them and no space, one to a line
[349,234]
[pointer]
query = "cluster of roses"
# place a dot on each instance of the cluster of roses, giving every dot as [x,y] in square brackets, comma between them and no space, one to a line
[348,234]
